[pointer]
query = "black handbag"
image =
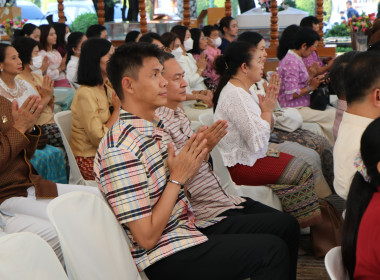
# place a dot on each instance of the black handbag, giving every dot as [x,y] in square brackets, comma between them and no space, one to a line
[320,98]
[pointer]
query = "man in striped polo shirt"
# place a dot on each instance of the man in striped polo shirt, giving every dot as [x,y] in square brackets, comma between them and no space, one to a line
[143,180]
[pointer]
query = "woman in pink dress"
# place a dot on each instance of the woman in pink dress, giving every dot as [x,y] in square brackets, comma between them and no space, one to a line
[57,67]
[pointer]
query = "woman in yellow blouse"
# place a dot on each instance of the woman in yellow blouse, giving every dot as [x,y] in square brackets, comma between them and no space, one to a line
[28,53]
[95,107]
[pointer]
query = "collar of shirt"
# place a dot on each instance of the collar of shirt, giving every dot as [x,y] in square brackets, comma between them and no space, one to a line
[296,55]
[152,129]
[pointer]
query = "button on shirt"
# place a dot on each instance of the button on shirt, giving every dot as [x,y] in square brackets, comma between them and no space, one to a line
[131,171]
[294,76]
[207,197]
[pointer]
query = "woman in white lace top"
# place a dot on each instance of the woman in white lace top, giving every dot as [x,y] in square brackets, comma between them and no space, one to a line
[250,119]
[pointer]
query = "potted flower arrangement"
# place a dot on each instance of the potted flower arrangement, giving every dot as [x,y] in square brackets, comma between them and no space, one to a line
[10,25]
[357,26]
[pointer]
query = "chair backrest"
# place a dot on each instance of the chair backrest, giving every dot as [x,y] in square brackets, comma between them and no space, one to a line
[63,121]
[25,255]
[93,243]
[334,264]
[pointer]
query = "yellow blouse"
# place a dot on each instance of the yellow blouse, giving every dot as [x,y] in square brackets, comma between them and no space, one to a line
[47,114]
[90,112]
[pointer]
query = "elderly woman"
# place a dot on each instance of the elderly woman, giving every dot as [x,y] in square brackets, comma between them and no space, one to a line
[91,112]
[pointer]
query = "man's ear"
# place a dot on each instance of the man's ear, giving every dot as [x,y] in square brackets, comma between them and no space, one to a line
[376,97]
[127,85]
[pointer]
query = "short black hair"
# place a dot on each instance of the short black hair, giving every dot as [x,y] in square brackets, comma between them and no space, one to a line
[132,36]
[168,38]
[349,2]
[3,49]
[361,75]
[27,29]
[336,73]
[305,36]
[250,37]
[208,29]
[92,51]
[149,37]
[165,56]
[180,30]
[127,61]
[309,21]
[24,46]
[286,41]
[94,31]
[225,22]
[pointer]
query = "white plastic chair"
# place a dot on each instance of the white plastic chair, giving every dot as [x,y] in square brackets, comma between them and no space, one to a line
[262,194]
[63,121]
[93,243]
[334,264]
[25,255]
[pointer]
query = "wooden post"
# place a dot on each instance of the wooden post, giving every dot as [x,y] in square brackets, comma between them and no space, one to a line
[101,18]
[143,24]
[61,13]
[274,25]
[186,13]
[319,13]
[227,6]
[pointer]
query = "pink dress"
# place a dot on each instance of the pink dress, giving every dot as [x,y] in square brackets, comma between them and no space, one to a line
[311,59]
[55,60]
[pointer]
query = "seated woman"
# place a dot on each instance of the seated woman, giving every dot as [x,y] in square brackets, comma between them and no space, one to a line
[314,61]
[360,237]
[73,48]
[317,151]
[199,48]
[229,28]
[29,30]
[57,66]
[27,50]
[91,112]
[61,30]
[193,68]
[297,84]
[245,147]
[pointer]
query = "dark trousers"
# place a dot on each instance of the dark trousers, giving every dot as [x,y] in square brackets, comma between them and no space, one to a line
[257,241]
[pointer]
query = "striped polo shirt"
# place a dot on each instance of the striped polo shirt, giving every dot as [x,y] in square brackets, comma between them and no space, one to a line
[206,195]
[131,171]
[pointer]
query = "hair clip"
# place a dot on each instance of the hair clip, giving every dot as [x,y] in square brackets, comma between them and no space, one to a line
[360,166]
[226,65]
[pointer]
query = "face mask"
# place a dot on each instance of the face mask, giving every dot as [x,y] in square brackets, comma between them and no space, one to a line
[188,44]
[216,42]
[67,37]
[37,62]
[177,53]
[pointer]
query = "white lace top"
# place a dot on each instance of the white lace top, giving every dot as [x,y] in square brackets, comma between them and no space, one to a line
[248,134]
[24,90]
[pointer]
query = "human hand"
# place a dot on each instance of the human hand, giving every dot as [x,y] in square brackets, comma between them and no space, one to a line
[275,81]
[45,64]
[214,133]
[314,83]
[24,117]
[313,69]
[267,103]
[115,100]
[202,62]
[207,99]
[47,89]
[186,164]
